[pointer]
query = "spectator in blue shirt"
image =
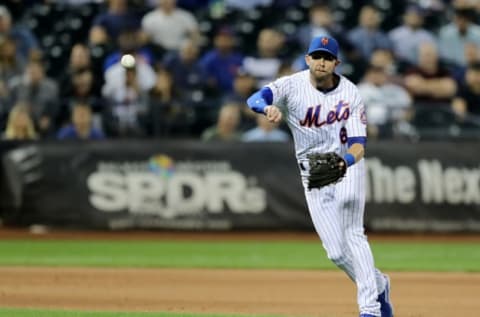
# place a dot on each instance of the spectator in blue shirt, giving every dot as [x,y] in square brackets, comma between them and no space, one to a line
[368,36]
[406,38]
[265,131]
[116,19]
[466,102]
[81,127]
[221,63]
[453,37]
[321,22]
[186,71]
[25,42]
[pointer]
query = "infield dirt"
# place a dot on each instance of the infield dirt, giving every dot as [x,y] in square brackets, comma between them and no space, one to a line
[285,292]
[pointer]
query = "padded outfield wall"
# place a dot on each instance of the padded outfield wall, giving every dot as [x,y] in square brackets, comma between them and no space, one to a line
[182,184]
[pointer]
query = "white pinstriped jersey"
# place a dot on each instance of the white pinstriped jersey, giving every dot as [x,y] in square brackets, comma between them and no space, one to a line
[320,122]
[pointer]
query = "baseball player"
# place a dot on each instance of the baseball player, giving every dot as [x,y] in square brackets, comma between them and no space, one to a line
[327,118]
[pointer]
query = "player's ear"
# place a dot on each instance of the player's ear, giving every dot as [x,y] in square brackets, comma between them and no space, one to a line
[308,58]
[337,62]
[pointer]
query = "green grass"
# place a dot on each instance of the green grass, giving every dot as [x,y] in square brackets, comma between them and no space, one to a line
[58,313]
[393,256]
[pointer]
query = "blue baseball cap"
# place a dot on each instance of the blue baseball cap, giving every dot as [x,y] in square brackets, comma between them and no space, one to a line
[324,44]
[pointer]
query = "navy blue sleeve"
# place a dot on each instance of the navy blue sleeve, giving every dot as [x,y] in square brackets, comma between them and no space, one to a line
[358,139]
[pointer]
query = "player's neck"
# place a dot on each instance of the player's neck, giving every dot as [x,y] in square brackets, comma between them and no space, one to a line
[328,84]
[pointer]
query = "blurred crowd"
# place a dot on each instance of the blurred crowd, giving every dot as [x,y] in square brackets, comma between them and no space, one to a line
[86,69]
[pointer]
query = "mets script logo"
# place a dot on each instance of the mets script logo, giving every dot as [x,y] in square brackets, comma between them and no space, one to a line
[312,117]
[324,41]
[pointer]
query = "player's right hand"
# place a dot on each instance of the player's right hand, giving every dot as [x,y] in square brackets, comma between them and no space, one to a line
[273,113]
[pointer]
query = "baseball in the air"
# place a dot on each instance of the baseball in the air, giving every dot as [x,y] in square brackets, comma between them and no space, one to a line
[128,61]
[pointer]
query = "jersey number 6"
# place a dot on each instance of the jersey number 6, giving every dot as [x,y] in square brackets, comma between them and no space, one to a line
[343,135]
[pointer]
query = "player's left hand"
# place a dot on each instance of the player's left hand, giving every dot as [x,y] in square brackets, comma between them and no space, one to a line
[325,169]
[273,114]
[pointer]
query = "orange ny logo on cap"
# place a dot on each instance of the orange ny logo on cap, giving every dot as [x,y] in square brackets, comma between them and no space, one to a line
[324,41]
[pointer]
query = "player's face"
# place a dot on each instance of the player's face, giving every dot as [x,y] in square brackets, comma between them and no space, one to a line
[321,64]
